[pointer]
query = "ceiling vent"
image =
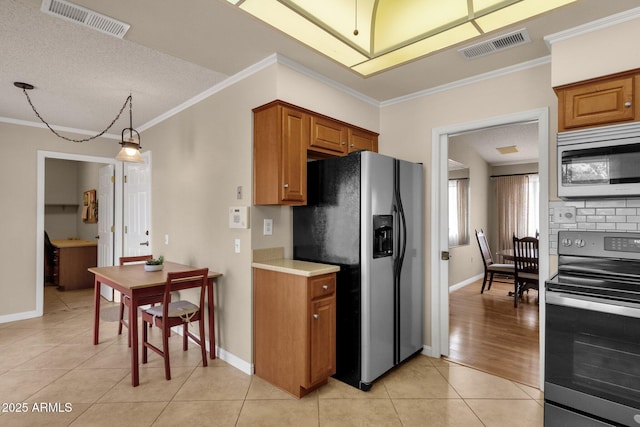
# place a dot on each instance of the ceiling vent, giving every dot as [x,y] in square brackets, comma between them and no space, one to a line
[497,44]
[86,17]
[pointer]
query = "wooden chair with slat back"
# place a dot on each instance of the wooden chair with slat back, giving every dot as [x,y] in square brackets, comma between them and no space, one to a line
[525,251]
[125,301]
[491,268]
[181,312]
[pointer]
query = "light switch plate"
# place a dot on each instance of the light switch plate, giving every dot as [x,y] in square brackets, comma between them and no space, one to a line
[564,215]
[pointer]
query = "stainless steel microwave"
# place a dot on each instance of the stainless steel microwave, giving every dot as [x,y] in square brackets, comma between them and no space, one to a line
[599,162]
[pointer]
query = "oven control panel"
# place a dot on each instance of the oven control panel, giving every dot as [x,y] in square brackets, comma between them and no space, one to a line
[599,244]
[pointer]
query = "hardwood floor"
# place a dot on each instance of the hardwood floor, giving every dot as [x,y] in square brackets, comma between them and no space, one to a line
[488,333]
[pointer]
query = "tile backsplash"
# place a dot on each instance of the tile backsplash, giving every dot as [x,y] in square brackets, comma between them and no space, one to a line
[594,214]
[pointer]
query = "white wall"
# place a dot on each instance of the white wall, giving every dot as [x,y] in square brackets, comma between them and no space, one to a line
[595,53]
[466,261]
[18,175]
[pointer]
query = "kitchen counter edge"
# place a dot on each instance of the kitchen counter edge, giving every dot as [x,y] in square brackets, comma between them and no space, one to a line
[299,268]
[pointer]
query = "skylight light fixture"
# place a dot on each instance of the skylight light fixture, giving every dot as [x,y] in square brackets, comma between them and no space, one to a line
[509,149]
[389,32]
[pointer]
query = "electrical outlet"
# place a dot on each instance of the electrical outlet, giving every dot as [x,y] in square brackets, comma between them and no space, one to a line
[268,227]
[166,239]
[564,215]
[236,245]
[239,192]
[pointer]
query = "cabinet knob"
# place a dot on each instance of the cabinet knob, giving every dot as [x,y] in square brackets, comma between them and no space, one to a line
[325,287]
[286,186]
[352,145]
[316,316]
[627,104]
[344,143]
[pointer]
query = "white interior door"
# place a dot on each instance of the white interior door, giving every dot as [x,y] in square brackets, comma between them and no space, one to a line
[106,187]
[137,207]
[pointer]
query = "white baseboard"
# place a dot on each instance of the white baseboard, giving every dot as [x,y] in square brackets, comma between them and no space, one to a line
[464,283]
[19,316]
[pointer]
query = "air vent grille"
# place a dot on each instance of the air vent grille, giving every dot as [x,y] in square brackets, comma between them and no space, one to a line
[86,17]
[487,47]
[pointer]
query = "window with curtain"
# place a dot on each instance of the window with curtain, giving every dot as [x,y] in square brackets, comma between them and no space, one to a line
[458,212]
[517,207]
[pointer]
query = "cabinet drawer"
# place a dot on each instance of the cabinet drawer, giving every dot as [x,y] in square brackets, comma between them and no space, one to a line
[322,286]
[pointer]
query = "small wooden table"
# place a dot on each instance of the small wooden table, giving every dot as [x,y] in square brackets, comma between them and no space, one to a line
[133,281]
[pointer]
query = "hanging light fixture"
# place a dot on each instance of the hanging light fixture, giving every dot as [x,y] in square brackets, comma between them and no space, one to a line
[130,151]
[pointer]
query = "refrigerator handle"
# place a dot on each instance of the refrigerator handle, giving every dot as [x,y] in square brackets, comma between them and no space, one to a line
[396,223]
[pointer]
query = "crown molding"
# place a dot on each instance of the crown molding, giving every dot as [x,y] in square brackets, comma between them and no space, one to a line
[599,24]
[56,128]
[468,81]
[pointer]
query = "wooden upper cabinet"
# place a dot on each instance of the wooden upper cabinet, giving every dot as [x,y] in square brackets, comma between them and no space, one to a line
[284,138]
[279,156]
[328,136]
[294,156]
[599,102]
[362,140]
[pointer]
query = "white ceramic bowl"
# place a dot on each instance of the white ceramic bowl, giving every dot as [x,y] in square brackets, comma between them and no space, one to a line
[158,267]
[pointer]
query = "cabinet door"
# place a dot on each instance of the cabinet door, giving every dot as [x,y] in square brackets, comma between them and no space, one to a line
[597,103]
[361,140]
[323,340]
[295,134]
[328,136]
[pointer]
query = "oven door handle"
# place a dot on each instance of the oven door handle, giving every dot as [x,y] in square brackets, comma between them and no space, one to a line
[593,304]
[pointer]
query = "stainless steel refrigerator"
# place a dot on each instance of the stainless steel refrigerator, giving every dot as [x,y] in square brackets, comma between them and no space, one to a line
[365,214]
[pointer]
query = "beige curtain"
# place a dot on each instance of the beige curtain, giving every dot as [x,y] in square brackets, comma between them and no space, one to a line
[463,211]
[512,207]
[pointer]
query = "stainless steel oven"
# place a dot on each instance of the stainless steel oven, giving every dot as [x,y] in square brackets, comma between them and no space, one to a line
[592,340]
[599,162]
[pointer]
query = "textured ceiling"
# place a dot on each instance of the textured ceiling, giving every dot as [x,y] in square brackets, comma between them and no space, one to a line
[177,50]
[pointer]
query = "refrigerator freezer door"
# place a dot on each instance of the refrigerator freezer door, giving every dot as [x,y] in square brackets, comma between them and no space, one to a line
[377,315]
[409,330]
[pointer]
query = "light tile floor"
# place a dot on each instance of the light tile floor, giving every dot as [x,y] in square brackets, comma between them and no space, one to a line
[51,361]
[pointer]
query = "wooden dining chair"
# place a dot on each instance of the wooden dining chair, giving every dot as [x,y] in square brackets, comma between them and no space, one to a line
[125,301]
[525,254]
[181,312]
[491,268]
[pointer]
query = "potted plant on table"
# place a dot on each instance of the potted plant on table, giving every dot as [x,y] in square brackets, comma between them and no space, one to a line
[154,264]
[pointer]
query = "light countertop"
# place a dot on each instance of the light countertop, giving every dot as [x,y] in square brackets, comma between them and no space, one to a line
[73,243]
[299,268]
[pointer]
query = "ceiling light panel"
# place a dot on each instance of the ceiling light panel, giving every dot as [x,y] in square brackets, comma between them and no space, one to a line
[285,19]
[517,12]
[339,17]
[390,32]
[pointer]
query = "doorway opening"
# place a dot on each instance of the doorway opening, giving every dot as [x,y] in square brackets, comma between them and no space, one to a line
[493,188]
[40,211]
[439,220]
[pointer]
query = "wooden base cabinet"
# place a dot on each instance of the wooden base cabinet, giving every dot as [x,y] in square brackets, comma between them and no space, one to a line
[294,329]
[72,258]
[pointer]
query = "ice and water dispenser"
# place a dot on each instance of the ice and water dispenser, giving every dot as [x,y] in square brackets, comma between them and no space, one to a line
[382,236]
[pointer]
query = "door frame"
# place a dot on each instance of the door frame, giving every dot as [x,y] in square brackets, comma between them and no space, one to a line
[40,192]
[439,220]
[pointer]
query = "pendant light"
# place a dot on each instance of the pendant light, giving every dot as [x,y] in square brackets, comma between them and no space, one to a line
[130,151]
[130,138]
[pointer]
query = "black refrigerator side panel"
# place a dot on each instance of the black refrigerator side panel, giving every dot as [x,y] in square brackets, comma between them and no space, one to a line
[327,230]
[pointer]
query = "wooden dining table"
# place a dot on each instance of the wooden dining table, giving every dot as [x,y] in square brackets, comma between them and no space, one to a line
[508,255]
[135,282]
